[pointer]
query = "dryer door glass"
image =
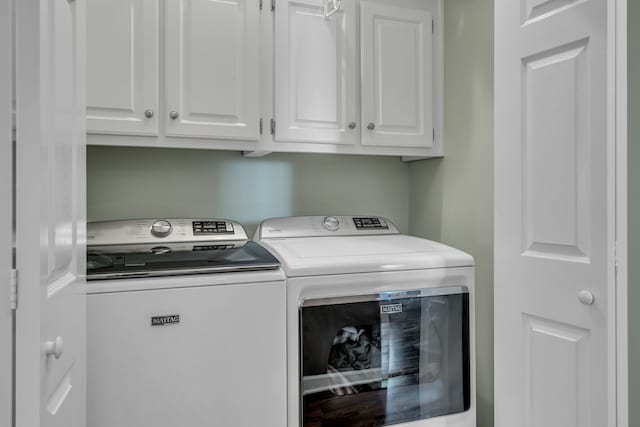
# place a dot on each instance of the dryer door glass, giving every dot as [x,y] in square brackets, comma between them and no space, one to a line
[384,359]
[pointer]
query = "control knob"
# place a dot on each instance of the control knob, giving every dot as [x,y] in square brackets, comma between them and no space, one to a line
[161,228]
[331,223]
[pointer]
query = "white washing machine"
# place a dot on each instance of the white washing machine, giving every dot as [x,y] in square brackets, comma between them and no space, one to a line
[380,325]
[186,326]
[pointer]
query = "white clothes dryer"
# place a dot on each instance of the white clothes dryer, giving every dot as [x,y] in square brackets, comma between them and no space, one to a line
[380,325]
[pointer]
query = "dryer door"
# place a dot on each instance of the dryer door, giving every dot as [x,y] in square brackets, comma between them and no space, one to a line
[384,359]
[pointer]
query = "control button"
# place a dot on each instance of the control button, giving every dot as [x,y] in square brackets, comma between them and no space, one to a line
[160,250]
[161,228]
[331,223]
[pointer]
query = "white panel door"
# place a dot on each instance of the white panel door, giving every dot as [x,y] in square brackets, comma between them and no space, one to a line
[396,75]
[50,214]
[316,73]
[554,351]
[6,211]
[213,68]
[122,67]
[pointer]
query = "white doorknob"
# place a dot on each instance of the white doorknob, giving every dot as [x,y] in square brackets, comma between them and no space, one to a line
[586,297]
[54,348]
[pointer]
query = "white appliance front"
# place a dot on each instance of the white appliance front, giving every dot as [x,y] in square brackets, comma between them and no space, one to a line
[188,351]
[425,381]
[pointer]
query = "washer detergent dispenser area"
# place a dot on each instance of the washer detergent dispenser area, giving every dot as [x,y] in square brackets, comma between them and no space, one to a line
[169,247]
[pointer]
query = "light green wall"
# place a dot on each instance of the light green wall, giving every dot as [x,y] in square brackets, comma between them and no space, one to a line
[154,182]
[452,198]
[448,199]
[634,210]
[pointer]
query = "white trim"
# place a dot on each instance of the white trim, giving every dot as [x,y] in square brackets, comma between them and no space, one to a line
[617,211]
[621,129]
[31,105]
[6,211]
[611,216]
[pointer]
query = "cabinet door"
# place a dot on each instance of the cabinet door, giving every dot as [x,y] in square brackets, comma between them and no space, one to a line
[315,73]
[213,68]
[122,67]
[396,76]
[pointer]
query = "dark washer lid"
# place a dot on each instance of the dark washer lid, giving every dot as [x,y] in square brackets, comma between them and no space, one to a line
[115,262]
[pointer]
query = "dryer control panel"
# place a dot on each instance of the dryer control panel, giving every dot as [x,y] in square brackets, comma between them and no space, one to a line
[315,226]
[370,223]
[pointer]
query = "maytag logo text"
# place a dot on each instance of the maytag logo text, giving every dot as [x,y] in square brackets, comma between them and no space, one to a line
[165,320]
[391,308]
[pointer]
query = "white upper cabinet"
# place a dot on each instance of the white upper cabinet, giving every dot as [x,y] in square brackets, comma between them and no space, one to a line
[122,67]
[365,80]
[213,68]
[396,76]
[267,75]
[316,73]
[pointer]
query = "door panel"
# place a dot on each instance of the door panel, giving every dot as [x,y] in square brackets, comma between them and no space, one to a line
[551,223]
[64,302]
[397,84]
[554,350]
[556,192]
[315,74]
[122,67]
[51,341]
[212,69]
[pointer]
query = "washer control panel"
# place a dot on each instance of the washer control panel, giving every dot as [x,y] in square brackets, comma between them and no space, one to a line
[212,227]
[370,223]
[317,226]
[172,230]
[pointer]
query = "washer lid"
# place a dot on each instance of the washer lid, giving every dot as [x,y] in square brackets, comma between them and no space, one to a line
[314,256]
[132,261]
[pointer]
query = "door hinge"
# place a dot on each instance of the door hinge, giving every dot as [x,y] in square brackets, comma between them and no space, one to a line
[433,26]
[273,5]
[260,126]
[260,3]
[434,134]
[273,127]
[13,296]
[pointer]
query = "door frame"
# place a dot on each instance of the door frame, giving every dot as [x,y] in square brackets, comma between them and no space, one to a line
[6,211]
[29,116]
[618,129]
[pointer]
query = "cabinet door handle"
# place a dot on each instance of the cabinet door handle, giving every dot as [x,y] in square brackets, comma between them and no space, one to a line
[352,125]
[148,113]
[174,115]
[371,126]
